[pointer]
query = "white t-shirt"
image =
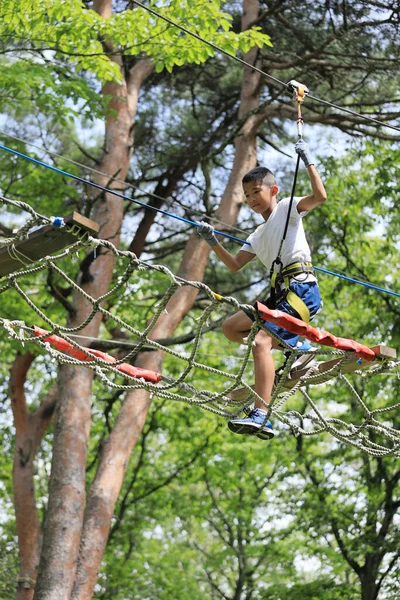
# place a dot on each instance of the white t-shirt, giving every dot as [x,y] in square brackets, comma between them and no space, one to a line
[266,239]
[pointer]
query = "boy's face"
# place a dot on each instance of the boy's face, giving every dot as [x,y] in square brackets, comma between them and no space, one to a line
[260,197]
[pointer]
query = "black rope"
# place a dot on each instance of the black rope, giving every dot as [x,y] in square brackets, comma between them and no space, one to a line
[214,46]
[290,205]
[278,259]
[254,68]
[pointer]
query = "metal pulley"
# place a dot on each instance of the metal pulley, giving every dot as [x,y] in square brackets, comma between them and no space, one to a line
[300,91]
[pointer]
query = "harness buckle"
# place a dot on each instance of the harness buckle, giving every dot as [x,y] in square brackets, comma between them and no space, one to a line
[289,271]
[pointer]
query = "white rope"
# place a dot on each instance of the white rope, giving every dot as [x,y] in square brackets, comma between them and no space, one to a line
[182,387]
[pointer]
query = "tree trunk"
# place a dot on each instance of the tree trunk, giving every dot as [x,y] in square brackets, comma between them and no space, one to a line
[30,428]
[369,588]
[163,191]
[63,524]
[104,491]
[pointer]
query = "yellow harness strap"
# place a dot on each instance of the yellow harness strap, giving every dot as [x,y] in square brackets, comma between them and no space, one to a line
[293,299]
[297,268]
[299,306]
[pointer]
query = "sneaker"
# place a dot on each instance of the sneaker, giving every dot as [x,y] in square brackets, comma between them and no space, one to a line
[304,360]
[304,346]
[254,424]
[266,432]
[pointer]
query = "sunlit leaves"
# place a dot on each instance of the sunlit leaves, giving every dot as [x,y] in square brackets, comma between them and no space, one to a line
[70,29]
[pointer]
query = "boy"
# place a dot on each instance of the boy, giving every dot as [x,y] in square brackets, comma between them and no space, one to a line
[260,189]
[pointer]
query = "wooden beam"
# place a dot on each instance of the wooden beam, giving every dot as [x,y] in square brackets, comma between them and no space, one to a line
[42,242]
[356,364]
[322,375]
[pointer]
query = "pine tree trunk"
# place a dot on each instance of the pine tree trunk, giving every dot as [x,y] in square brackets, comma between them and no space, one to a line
[369,589]
[117,449]
[163,191]
[30,428]
[67,497]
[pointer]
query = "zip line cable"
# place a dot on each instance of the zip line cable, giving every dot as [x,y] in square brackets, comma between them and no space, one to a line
[365,284]
[110,191]
[188,221]
[151,194]
[164,212]
[111,178]
[214,46]
[254,68]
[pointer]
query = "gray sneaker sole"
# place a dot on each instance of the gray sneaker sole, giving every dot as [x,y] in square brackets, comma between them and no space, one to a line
[265,434]
[244,428]
[306,364]
[247,429]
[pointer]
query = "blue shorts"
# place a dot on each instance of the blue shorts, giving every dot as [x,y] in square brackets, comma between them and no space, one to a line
[309,293]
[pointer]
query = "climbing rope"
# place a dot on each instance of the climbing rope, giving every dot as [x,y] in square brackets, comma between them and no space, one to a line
[57,340]
[300,91]
[189,384]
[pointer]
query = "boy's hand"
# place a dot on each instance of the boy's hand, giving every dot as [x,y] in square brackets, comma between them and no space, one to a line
[206,231]
[302,149]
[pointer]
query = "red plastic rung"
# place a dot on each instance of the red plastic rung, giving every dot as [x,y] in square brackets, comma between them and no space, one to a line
[63,346]
[318,336]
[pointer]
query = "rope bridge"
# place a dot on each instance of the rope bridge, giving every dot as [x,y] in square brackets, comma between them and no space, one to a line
[41,245]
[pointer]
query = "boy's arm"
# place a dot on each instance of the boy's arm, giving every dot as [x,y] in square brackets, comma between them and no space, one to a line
[234,263]
[319,194]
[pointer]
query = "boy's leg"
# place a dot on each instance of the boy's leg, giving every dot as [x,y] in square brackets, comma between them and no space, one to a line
[264,367]
[236,328]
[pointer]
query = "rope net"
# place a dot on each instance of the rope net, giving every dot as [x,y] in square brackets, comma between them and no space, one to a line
[140,291]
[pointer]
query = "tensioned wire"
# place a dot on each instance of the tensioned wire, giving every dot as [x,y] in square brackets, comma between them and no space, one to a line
[152,195]
[111,178]
[168,214]
[254,68]
[249,65]
[110,191]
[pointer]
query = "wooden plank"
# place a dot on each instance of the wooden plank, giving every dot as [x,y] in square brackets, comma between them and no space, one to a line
[42,242]
[83,222]
[356,364]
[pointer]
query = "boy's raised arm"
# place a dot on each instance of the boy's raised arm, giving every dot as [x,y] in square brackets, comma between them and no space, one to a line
[319,194]
[234,263]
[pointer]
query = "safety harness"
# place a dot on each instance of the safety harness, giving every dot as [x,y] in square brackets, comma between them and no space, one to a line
[280,276]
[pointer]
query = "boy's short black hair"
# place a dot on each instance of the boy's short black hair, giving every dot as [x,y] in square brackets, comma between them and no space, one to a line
[260,174]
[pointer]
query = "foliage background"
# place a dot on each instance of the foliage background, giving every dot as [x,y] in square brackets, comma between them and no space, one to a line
[202,514]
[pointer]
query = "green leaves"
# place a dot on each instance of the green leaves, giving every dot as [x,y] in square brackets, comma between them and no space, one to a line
[359,238]
[56,53]
[138,31]
[238,503]
[65,27]
[72,31]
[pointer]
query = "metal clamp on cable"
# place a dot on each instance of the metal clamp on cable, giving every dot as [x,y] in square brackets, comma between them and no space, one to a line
[300,91]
